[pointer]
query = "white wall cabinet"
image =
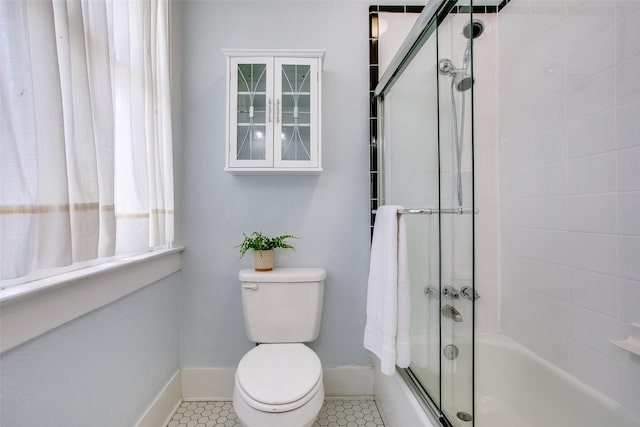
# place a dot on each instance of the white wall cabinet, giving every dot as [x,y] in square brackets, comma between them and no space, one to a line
[274,111]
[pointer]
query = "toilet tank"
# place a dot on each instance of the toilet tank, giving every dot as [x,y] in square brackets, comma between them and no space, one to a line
[283,305]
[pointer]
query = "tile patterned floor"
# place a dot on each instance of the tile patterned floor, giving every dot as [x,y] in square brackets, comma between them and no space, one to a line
[334,413]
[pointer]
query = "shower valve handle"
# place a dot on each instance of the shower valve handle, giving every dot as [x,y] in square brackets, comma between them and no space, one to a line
[450,292]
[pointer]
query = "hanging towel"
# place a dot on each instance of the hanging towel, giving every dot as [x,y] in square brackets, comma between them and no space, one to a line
[388,297]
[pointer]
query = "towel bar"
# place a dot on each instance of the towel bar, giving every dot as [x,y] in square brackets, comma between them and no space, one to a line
[436,211]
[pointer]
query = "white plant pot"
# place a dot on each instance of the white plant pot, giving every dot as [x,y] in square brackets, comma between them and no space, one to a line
[263,260]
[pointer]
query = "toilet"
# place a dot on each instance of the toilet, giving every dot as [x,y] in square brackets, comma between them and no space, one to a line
[278,383]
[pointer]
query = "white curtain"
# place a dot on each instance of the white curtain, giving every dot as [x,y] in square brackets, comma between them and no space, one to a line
[86,168]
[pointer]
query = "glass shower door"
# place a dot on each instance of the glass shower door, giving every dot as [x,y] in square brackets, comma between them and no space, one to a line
[410,178]
[427,167]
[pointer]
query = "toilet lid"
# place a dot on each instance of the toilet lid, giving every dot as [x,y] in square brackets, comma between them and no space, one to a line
[277,374]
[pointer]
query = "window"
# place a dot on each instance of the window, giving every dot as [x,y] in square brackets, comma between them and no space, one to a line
[86,168]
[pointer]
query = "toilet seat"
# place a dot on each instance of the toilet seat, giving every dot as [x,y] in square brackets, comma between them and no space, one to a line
[279,377]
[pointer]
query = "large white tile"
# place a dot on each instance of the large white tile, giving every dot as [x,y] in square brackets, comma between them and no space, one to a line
[627,87]
[628,170]
[549,246]
[549,111]
[628,257]
[594,330]
[628,210]
[594,369]
[552,280]
[550,146]
[587,20]
[592,174]
[593,252]
[593,135]
[591,96]
[515,119]
[549,213]
[518,271]
[593,213]
[549,180]
[516,184]
[625,8]
[554,314]
[546,15]
[628,125]
[591,57]
[515,155]
[595,291]
[514,20]
[629,300]
[547,56]
[628,37]
[516,212]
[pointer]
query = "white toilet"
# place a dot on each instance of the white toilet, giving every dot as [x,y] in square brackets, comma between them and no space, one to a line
[279,382]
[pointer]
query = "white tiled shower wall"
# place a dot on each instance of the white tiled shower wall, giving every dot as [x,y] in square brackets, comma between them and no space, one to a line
[569,150]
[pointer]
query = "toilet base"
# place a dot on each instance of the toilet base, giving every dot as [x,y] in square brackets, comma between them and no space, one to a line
[303,416]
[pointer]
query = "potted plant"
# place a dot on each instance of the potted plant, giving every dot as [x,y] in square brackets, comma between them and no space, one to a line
[263,247]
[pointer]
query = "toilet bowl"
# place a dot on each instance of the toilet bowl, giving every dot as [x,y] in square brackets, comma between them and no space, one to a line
[278,385]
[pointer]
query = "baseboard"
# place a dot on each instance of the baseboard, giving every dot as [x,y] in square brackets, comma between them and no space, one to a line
[217,383]
[164,405]
[207,383]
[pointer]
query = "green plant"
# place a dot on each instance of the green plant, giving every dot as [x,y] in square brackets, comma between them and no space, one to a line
[259,242]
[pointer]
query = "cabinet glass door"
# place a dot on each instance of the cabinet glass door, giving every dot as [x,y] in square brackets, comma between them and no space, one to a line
[296,113]
[251,128]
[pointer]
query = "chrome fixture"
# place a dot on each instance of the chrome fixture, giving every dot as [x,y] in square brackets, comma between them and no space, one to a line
[450,352]
[450,312]
[473,29]
[435,211]
[450,292]
[431,292]
[464,416]
[461,80]
[468,293]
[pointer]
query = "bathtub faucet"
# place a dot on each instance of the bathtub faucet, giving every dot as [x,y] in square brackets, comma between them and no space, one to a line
[450,312]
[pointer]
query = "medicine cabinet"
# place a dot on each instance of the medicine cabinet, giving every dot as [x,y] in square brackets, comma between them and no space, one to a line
[274,111]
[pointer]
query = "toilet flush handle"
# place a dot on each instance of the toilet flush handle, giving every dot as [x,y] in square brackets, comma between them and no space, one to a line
[252,286]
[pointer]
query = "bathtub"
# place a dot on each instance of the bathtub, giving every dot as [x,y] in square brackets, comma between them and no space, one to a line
[516,388]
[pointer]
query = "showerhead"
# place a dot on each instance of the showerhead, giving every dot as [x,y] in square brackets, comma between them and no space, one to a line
[473,29]
[461,78]
[462,81]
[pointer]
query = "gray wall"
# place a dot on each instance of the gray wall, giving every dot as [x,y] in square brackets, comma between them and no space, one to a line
[329,212]
[101,369]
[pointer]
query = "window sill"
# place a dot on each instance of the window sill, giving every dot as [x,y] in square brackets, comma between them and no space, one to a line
[32,309]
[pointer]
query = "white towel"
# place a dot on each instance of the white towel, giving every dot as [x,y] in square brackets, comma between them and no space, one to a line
[388,297]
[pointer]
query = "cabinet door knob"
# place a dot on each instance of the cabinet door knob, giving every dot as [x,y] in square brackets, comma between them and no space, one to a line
[269,112]
[278,110]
